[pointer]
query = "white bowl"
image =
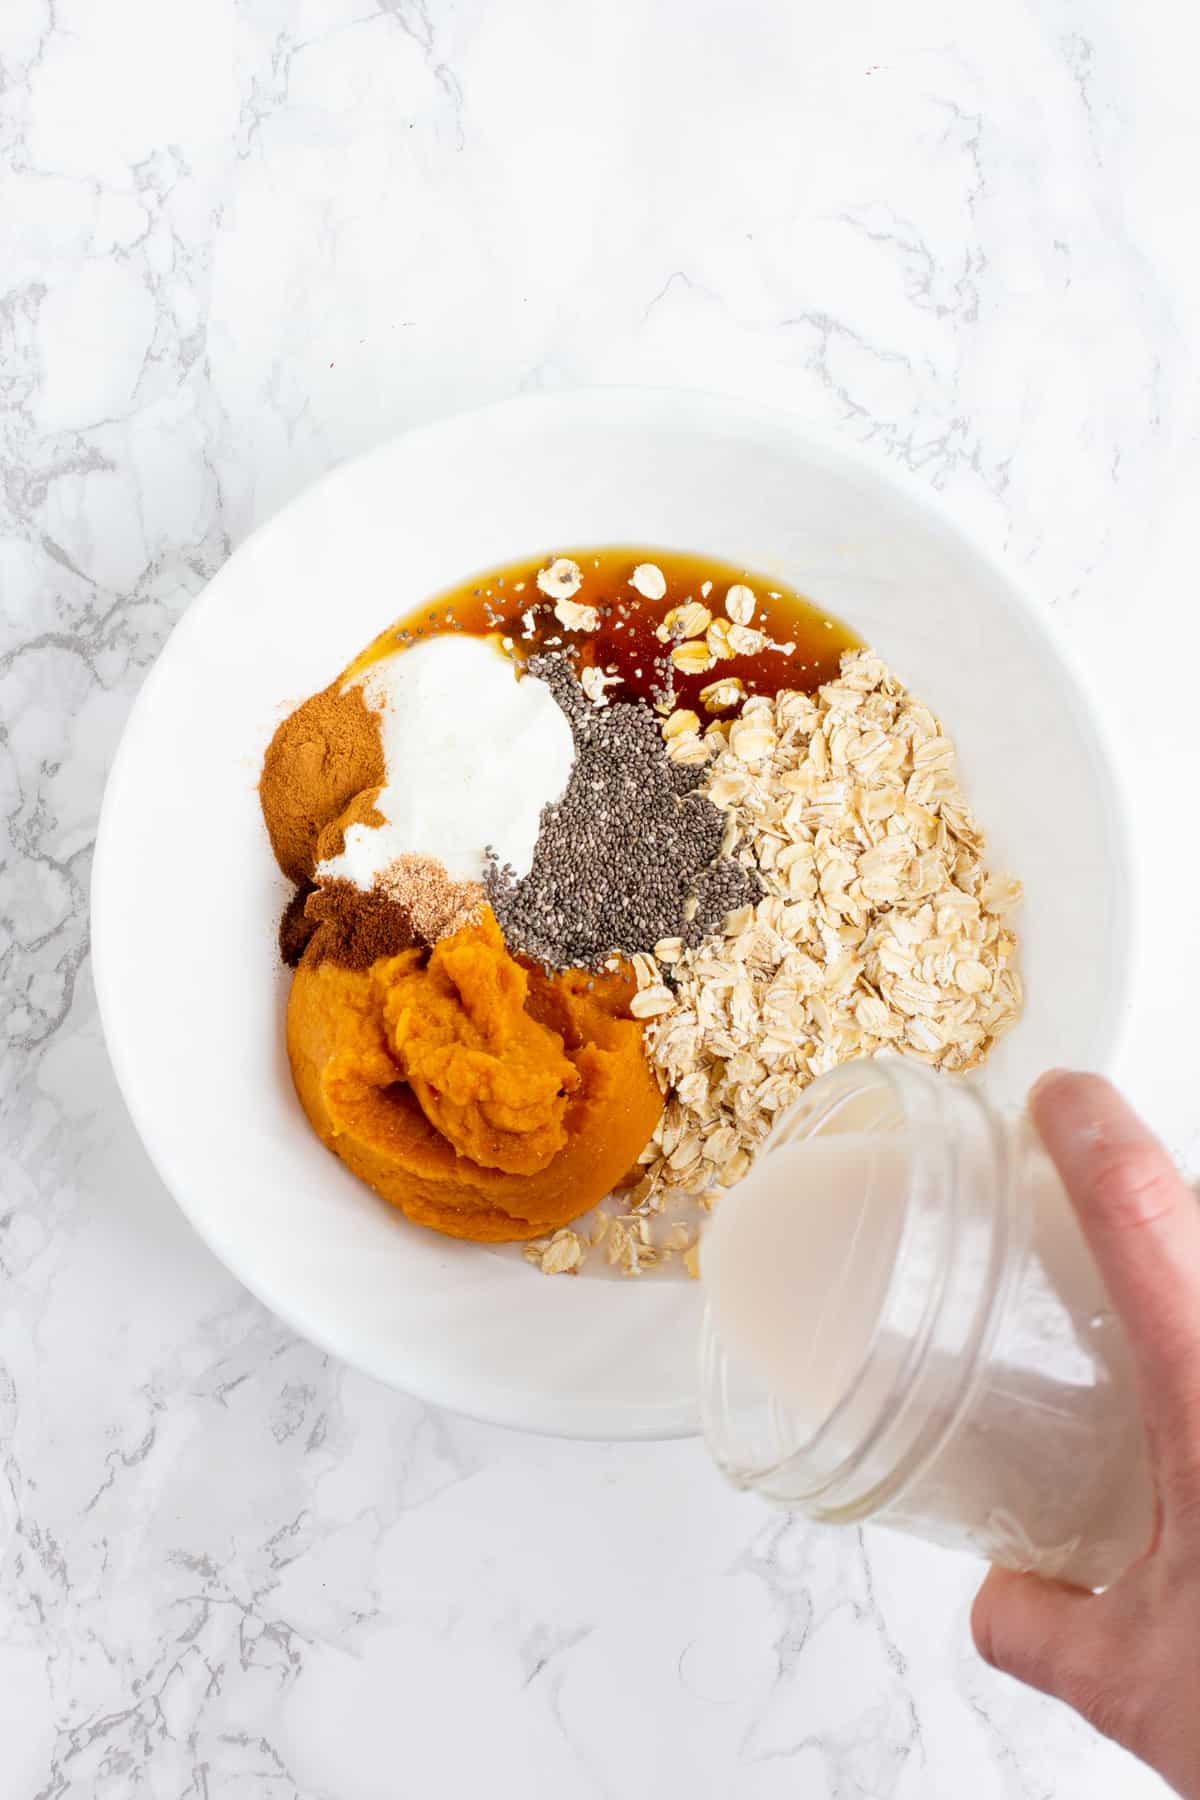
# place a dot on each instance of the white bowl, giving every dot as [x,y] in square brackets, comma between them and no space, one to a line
[191,991]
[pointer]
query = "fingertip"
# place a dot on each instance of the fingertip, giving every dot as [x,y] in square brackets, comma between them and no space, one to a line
[984,1608]
[1074,1112]
[1076,1088]
[981,1623]
[1046,1081]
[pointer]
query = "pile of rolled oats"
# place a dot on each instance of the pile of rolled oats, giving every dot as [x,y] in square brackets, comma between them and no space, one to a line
[881,927]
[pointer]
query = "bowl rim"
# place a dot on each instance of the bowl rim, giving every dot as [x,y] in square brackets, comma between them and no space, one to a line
[625,404]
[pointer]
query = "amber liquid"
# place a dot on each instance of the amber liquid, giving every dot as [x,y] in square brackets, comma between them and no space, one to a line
[625,644]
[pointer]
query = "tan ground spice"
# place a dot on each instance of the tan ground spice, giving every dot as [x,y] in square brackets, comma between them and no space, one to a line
[436,905]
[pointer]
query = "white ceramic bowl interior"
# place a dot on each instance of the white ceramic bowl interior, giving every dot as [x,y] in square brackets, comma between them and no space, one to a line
[191,990]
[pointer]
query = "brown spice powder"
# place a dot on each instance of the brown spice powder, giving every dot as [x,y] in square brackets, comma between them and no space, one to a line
[414,902]
[295,928]
[319,762]
[342,924]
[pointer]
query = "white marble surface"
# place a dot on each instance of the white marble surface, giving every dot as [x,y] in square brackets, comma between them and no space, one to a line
[239,242]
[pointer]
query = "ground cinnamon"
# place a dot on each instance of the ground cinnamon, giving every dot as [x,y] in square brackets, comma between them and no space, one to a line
[320,760]
[337,922]
[295,929]
[414,902]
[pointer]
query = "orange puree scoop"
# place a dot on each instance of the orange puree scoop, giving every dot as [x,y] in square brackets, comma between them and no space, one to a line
[492,1080]
[483,1098]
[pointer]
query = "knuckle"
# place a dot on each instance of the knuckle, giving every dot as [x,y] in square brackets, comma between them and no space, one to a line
[1172,1416]
[1179,1528]
[1142,1721]
[1114,1710]
[1184,1510]
[1132,1185]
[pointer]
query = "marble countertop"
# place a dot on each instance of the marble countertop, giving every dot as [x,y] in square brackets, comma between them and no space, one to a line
[238,243]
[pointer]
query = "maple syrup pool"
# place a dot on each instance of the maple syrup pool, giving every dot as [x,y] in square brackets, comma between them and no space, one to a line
[802,649]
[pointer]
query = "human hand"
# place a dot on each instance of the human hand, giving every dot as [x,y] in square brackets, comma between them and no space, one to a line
[1127,1659]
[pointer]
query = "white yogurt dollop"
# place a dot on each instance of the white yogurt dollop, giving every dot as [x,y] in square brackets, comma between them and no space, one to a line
[472,755]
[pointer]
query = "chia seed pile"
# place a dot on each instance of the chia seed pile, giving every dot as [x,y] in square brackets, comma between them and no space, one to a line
[629,855]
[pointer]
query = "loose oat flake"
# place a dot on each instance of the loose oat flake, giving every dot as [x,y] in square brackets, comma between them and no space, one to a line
[688,621]
[561,580]
[594,681]
[739,603]
[649,581]
[573,615]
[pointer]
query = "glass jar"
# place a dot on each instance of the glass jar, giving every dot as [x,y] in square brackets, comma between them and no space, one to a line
[903,1323]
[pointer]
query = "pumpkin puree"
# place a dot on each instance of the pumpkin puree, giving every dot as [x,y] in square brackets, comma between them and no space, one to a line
[481,1097]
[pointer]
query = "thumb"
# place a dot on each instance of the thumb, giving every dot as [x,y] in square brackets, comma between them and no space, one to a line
[1142,1224]
[1042,1633]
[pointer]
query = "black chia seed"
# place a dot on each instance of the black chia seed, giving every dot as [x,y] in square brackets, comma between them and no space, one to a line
[629,855]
